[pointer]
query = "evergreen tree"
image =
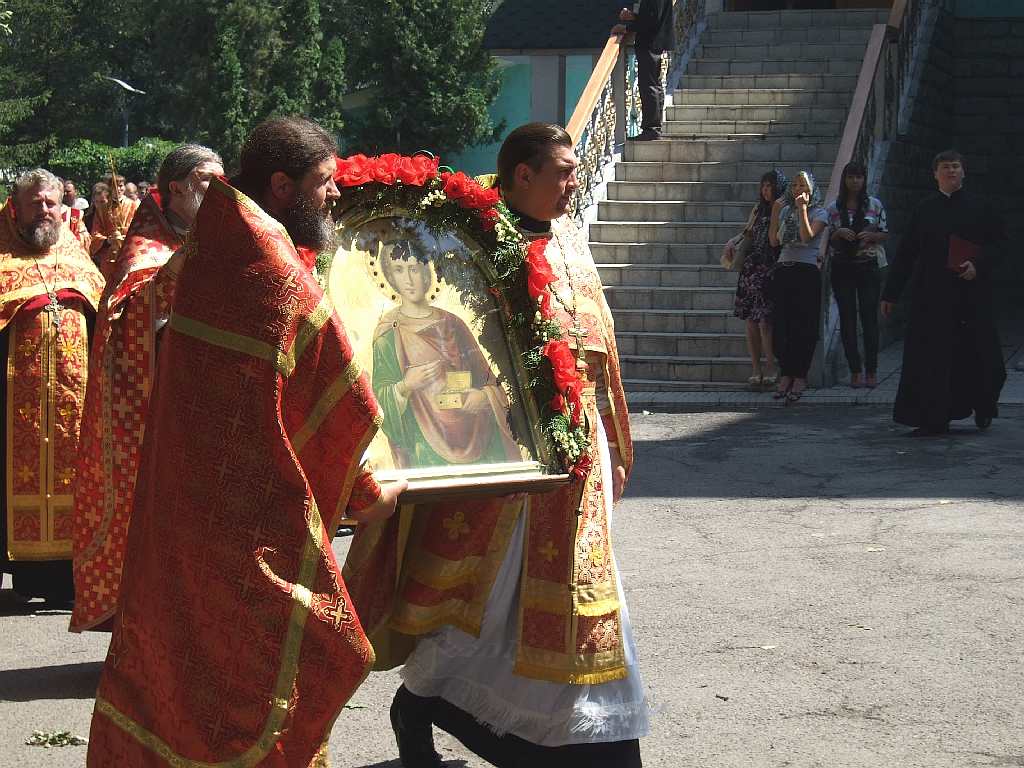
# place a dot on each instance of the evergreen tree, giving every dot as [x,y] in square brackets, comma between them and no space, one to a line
[428,76]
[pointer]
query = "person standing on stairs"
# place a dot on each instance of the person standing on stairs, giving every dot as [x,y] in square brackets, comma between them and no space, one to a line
[753,304]
[796,282]
[651,20]
[858,228]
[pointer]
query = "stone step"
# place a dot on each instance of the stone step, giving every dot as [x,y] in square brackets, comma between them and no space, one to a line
[668,297]
[826,19]
[803,81]
[684,368]
[683,275]
[705,345]
[692,232]
[779,50]
[677,321]
[751,129]
[740,192]
[763,97]
[692,254]
[637,388]
[708,171]
[856,34]
[743,114]
[818,67]
[616,210]
[784,150]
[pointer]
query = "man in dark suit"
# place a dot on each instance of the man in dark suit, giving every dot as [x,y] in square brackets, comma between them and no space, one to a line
[651,20]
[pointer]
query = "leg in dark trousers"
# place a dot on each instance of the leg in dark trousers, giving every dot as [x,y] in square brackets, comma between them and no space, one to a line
[869,291]
[652,93]
[797,310]
[845,281]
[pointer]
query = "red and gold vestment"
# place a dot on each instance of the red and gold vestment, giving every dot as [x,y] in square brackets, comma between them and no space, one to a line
[109,228]
[122,365]
[234,640]
[45,378]
[435,565]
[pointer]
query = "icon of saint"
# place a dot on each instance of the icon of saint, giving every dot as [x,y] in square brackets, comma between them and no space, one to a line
[442,404]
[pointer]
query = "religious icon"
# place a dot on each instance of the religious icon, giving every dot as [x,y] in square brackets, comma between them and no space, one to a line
[438,352]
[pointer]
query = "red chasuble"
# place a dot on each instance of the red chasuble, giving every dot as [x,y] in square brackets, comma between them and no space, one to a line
[46,375]
[235,642]
[121,378]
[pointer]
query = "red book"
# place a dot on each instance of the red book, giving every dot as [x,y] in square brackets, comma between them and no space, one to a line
[961,250]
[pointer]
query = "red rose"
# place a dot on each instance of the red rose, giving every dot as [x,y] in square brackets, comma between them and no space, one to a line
[563,364]
[353,171]
[557,404]
[539,275]
[385,168]
[489,218]
[582,467]
[417,170]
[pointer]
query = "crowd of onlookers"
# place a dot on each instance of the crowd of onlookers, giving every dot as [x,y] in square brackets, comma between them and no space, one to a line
[100,196]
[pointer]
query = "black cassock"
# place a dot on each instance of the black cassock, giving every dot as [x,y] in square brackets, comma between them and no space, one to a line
[952,358]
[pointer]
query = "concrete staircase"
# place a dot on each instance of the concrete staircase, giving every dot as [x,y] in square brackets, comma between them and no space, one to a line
[764,90]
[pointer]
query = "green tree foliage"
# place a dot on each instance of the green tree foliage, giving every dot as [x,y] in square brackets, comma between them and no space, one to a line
[85,162]
[211,71]
[428,79]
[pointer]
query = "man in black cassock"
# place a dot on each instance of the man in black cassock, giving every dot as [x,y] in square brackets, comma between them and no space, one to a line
[952,358]
[652,22]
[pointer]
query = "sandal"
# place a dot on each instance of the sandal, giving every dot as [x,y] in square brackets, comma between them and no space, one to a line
[871,380]
[755,382]
[795,394]
[784,384]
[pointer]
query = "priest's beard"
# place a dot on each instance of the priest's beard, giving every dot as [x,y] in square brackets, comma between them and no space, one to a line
[308,225]
[41,235]
[191,200]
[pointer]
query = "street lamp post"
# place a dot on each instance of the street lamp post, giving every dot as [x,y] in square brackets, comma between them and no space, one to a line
[123,95]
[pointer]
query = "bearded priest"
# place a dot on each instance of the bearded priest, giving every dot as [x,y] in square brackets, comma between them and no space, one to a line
[49,290]
[523,645]
[135,304]
[234,639]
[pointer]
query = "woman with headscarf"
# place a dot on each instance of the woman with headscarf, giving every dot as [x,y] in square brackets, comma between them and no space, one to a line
[796,281]
[752,301]
[858,229]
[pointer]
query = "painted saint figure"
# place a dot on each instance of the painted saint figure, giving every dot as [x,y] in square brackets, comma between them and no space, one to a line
[441,402]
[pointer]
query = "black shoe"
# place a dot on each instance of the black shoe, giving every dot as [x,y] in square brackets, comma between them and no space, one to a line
[647,134]
[982,422]
[414,730]
[930,431]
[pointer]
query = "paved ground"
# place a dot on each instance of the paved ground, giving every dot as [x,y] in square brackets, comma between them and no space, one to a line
[809,587]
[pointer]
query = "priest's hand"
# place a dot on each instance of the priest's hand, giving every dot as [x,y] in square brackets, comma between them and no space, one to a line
[968,271]
[383,507]
[618,474]
[887,308]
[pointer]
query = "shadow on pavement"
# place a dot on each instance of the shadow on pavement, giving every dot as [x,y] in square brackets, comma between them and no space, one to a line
[12,604]
[64,681]
[398,764]
[807,451]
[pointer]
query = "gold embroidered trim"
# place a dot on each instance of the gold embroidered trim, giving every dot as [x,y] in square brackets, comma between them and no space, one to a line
[236,342]
[330,398]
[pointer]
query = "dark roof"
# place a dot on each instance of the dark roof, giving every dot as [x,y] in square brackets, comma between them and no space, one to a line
[546,24]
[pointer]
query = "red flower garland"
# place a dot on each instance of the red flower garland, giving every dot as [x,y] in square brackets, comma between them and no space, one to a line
[465,191]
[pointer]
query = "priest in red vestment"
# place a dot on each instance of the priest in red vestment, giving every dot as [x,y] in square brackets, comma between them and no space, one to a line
[110,225]
[123,359]
[49,290]
[234,639]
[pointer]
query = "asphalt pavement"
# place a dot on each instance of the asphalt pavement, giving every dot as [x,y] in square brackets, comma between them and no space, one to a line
[809,586]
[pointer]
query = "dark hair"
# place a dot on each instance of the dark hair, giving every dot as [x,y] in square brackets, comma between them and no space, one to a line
[778,182]
[179,163]
[291,145]
[853,169]
[532,144]
[947,156]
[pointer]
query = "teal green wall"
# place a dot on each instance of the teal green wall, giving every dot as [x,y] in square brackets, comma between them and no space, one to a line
[512,106]
[577,73]
[998,9]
